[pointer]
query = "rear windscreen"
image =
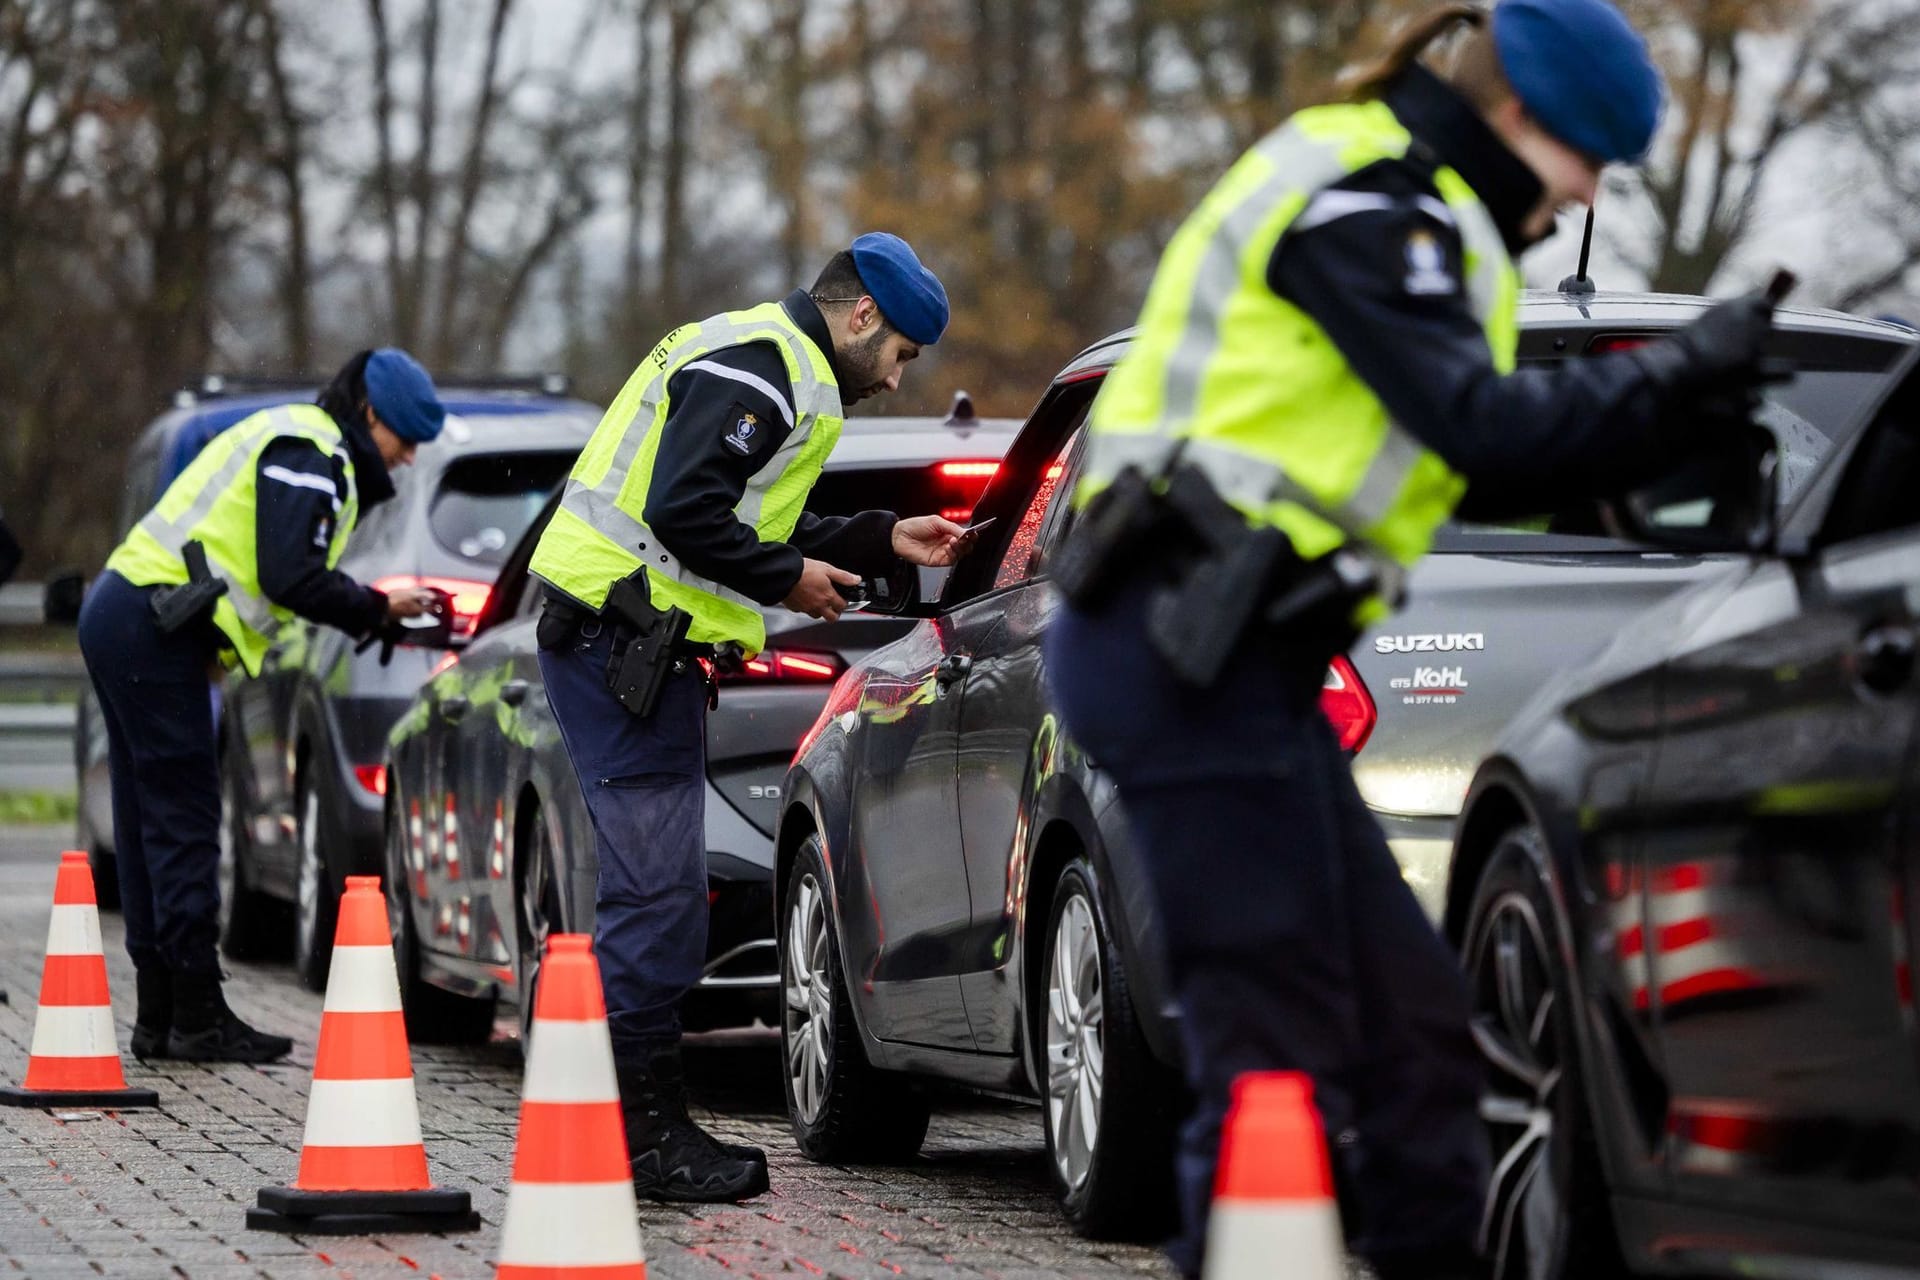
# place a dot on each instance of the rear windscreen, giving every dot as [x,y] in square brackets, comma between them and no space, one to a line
[946,488]
[1810,414]
[485,503]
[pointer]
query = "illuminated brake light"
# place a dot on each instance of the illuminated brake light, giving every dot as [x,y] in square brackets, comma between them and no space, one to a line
[984,470]
[1054,471]
[469,598]
[1608,343]
[776,665]
[1347,705]
[371,776]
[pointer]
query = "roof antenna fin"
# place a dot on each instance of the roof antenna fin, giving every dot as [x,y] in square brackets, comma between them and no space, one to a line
[1580,284]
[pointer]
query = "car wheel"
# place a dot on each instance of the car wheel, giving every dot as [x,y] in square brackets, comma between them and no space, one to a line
[315,898]
[841,1108]
[433,1014]
[537,901]
[1546,1216]
[1108,1102]
[251,923]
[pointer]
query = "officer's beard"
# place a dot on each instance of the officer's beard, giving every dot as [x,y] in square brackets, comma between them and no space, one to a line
[860,372]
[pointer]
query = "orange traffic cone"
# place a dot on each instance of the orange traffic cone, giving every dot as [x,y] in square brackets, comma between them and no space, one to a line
[363,1166]
[570,1210]
[74,1061]
[1273,1188]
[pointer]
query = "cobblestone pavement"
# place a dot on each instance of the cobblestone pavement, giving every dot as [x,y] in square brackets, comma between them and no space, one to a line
[163,1193]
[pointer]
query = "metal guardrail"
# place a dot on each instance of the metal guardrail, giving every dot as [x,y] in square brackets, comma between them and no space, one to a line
[21,605]
[39,688]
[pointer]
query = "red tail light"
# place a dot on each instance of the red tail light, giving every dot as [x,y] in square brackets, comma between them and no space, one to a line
[787,666]
[961,483]
[845,697]
[372,776]
[469,598]
[1348,705]
[1610,342]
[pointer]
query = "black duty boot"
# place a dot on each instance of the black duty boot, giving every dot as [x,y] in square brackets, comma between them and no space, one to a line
[153,1017]
[672,1157]
[205,1030]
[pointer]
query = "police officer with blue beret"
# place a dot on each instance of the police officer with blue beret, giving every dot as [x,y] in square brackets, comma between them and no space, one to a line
[1323,373]
[246,538]
[682,521]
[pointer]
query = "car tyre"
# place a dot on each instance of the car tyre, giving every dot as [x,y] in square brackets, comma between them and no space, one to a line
[1547,1216]
[433,1014]
[316,900]
[252,924]
[1107,1102]
[842,1109]
[537,907]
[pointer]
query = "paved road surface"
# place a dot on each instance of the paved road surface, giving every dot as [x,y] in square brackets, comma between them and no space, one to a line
[163,1193]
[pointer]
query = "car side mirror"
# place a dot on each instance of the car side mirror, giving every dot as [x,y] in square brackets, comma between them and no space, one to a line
[1726,499]
[896,593]
[61,598]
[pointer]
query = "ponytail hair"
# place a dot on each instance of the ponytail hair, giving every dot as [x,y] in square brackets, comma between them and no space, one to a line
[1369,81]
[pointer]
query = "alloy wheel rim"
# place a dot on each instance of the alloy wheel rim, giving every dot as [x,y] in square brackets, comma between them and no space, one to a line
[1076,1049]
[1524,1226]
[536,921]
[308,893]
[808,983]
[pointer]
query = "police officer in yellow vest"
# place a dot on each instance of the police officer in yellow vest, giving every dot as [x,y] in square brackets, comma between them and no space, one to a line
[244,539]
[1324,367]
[680,523]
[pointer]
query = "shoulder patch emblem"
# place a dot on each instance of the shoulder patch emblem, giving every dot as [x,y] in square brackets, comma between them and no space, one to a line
[1427,274]
[740,439]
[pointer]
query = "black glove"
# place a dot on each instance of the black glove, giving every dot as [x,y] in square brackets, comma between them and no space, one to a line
[1718,356]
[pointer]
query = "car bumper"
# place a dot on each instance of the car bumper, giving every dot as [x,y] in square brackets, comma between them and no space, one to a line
[740,982]
[1423,846]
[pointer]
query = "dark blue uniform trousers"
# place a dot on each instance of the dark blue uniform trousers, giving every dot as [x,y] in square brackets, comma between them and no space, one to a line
[645,785]
[1292,940]
[166,776]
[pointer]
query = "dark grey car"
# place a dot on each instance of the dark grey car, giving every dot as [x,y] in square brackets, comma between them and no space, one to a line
[303,744]
[1686,890]
[958,896]
[488,844]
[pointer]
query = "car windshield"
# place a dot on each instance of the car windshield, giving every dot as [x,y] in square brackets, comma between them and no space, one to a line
[484,503]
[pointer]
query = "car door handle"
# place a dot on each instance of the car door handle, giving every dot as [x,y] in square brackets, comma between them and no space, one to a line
[954,667]
[514,692]
[1885,659]
[455,707]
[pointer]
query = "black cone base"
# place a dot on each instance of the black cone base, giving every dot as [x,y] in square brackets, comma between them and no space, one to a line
[87,1099]
[362,1213]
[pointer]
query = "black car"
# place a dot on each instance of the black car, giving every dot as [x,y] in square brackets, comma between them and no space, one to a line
[303,744]
[958,897]
[489,847]
[1684,889]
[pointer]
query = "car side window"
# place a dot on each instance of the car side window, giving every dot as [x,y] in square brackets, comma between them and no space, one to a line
[1040,522]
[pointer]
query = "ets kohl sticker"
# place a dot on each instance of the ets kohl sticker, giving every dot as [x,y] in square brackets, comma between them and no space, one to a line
[1431,686]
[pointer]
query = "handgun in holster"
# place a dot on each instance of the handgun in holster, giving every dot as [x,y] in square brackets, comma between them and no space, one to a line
[638,672]
[193,600]
[1196,623]
[1106,541]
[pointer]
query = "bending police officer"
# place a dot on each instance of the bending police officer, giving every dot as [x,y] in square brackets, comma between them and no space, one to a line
[246,538]
[1324,366]
[681,522]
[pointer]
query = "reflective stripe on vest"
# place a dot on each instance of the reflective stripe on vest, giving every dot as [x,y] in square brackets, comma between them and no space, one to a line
[1250,389]
[599,533]
[215,501]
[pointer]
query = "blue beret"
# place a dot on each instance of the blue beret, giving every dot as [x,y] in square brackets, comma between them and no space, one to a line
[1583,72]
[910,296]
[402,395]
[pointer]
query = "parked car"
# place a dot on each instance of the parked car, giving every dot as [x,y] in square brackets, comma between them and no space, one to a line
[1684,889]
[489,848]
[303,744]
[957,893]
